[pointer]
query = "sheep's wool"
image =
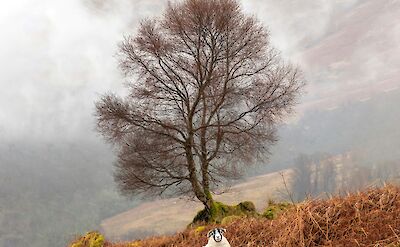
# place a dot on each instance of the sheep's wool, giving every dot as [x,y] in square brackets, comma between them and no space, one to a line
[224,243]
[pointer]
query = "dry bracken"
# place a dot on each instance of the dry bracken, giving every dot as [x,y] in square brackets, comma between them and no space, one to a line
[369,218]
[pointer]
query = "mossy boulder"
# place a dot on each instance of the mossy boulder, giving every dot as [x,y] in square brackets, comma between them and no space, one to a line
[219,211]
[274,209]
[247,206]
[230,219]
[91,239]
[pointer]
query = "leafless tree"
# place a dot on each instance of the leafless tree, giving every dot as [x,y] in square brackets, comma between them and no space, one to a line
[328,175]
[206,90]
[302,185]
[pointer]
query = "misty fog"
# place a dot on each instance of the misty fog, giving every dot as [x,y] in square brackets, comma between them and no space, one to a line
[57,57]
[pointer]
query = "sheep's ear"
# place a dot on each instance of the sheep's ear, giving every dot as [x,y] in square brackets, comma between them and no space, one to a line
[222,230]
[210,233]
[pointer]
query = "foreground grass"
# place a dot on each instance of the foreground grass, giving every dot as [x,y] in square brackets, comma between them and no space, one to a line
[369,218]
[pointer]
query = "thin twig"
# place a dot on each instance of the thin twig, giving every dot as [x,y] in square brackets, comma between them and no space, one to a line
[287,189]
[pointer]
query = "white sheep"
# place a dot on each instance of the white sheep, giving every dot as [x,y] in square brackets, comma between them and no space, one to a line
[217,239]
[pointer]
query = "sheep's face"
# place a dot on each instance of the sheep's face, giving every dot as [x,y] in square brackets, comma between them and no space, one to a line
[217,234]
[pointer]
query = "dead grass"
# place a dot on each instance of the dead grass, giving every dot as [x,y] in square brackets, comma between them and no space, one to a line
[370,218]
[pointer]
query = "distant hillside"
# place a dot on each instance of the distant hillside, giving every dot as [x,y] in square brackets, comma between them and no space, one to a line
[171,215]
[357,58]
[369,126]
[353,72]
[49,192]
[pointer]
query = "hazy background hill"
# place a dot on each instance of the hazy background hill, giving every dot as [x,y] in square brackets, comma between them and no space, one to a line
[51,192]
[56,57]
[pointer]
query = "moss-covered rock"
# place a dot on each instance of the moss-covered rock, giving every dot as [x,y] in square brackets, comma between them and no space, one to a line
[91,239]
[219,211]
[247,206]
[274,209]
[230,219]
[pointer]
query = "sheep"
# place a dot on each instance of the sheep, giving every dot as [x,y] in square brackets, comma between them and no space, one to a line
[217,239]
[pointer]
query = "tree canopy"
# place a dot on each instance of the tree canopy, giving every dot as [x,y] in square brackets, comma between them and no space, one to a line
[206,90]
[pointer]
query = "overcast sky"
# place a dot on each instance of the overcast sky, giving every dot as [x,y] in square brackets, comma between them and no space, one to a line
[57,56]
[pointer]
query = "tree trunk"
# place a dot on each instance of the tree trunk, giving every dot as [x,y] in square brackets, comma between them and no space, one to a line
[201,188]
[209,202]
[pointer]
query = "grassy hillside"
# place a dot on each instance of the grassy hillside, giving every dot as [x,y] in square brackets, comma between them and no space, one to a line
[369,218]
[148,219]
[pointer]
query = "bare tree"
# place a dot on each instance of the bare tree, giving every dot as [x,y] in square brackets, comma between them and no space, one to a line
[328,175]
[206,90]
[302,185]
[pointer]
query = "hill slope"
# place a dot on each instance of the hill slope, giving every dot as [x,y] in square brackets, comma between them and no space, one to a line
[171,215]
[369,218]
[357,58]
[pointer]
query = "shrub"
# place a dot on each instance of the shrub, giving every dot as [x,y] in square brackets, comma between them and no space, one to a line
[200,229]
[91,239]
[274,209]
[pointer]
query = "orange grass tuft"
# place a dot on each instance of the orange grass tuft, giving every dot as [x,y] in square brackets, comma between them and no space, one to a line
[370,218]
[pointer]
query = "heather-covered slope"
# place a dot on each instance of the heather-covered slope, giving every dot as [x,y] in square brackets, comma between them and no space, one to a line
[369,218]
